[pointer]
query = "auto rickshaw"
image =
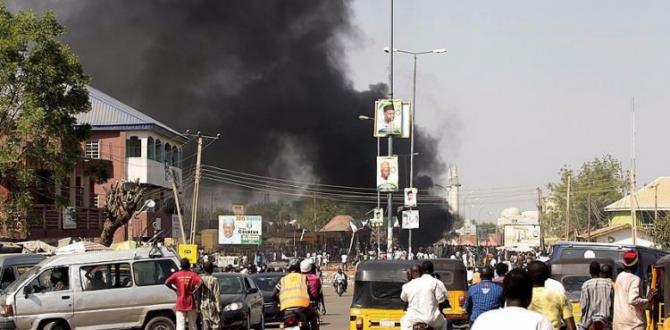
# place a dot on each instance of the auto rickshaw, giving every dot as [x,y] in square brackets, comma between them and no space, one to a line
[572,273]
[660,280]
[376,303]
[454,276]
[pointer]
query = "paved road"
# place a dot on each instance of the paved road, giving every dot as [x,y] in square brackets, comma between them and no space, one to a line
[337,308]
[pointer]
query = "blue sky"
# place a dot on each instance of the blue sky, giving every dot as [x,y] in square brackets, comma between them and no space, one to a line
[526,86]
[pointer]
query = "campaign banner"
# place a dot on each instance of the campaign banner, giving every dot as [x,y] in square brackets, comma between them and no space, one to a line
[410,197]
[377,217]
[240,229]
[392,118]
[387,173]
[410,219]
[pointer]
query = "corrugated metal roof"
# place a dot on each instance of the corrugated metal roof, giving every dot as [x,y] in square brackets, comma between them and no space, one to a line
[109,113]
[646,198]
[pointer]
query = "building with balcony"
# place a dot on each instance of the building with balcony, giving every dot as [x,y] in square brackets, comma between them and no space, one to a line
[125,145]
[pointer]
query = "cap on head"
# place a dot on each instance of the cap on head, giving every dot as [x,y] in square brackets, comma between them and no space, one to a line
[306,266]
[630,258]
[228,221]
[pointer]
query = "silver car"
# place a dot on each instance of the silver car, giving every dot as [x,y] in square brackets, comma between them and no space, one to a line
[93,290]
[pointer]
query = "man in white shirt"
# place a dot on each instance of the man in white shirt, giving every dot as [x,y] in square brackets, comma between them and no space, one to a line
[345,258]
[555,285]
[518,291]
[423,296]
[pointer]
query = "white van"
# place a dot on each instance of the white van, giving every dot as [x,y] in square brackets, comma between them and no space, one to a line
[93,290]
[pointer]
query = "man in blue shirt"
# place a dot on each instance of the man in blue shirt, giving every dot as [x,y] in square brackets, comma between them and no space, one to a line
[484,296]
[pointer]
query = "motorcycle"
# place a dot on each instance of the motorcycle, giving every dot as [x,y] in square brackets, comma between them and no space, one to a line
[339,287]
[421,326]
[295,319]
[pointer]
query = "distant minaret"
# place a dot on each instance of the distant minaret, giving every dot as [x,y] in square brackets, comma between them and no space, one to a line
[453,189]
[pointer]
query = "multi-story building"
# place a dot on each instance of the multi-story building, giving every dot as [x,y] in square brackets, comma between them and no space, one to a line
[125,145]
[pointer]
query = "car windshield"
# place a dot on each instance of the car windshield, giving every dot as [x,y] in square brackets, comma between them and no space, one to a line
[267,283]
[14,286]
[573,284]
[230,285]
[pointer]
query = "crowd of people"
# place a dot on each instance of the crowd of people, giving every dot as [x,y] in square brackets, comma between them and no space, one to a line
[525,297]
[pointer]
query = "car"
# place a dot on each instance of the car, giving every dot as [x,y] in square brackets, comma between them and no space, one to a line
[241,300]
[13,265]
[266,282]
[98,290]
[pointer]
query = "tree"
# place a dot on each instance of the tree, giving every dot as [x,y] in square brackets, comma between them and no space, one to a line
[598,182]
[42,87]
[661,232]
[121,201]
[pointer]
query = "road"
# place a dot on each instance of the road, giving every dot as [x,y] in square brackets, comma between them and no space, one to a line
[337,307]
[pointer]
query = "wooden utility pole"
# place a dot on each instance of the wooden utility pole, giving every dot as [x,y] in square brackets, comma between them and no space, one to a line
[656,202]
[171,176]
[567,212]
[540,216]
[196,184]
[588,219]
[196,190]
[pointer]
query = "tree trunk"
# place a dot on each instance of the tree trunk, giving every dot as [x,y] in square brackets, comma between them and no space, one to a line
[122,201]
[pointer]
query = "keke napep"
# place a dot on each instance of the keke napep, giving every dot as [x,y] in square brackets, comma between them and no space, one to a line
[376,303]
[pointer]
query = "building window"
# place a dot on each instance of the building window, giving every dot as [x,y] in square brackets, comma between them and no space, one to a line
[175,156]
[92,149]
[151,152]
[133,147]
[159,151]
[168,153]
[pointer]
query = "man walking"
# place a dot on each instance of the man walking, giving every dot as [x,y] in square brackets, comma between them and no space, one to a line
[518,291]
[484,296]
[423,296]
[596,298]
[549,302]
[185,283]
[628,304]
[210,299]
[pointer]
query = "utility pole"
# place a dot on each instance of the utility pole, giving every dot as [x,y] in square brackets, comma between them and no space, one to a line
[567,212]
[171,176]
[588,219]
[540,216]
[389,234]
[196,184]
[656,202]
[631,174]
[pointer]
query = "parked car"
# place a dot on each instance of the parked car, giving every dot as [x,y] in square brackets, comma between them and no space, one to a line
[13,265]
[241,300]
[266,282]
[101,290]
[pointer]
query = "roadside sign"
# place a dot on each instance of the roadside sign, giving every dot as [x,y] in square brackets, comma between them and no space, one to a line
[190,252]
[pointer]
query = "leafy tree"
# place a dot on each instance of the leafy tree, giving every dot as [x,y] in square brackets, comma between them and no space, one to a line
[42,85]
[661,232]
[600,179]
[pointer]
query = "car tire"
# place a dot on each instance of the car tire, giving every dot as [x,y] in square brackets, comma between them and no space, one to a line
[55,325]
[160,323]
[261,324]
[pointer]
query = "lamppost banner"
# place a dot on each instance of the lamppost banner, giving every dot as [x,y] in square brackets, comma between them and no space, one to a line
[387,173]
[392,117]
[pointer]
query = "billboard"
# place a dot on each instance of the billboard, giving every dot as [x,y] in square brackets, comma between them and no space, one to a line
[387,173]
[240,229]
[392,117]
[522,235]
[410,219]
[410,197]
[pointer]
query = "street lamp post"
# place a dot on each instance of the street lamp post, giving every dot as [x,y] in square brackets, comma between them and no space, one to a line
[379,249]
[415,55]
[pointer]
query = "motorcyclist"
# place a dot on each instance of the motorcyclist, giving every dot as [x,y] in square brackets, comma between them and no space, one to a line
[316,293]
[293,291]
[340,276]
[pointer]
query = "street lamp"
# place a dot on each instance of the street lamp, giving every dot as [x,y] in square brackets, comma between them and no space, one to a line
[148,204]
[415,55]
[364,117]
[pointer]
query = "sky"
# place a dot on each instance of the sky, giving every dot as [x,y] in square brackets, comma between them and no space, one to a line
[525,86]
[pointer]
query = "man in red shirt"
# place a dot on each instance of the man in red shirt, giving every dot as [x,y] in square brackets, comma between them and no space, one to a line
[185,283]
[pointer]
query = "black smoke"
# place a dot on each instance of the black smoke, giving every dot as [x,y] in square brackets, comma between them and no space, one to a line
[268,75]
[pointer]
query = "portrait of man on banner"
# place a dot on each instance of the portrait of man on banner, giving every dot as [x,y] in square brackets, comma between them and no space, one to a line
[389,118]
[387,173]
[378,216]
[410,219]
[410,197]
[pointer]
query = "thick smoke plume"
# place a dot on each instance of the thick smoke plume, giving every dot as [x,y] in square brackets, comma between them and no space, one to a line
[262,73]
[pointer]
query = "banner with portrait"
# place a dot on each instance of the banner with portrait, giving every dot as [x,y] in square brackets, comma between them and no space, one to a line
[392,117]
[377,217]
[240,229]
[387,173]
[410,197]
[410,219]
